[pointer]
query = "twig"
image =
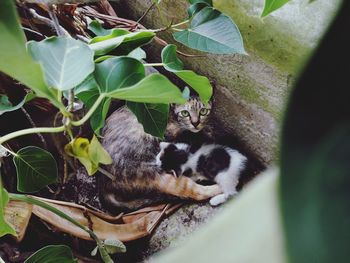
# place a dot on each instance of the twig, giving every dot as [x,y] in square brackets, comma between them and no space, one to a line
[33,31]
[145,13]
[41,137]
[46,21]
[106,173]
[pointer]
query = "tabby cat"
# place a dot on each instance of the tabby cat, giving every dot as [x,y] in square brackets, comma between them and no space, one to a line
[138,180]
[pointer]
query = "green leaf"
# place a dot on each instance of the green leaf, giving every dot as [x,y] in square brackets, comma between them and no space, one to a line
[97,28]
[88,92]
[211,31]
[208,2]
[272,5]
[119,72]
[112,246]
[15,61]
[138,53]
[36,168]
[6,105]
[155,88]
[199,83]
[66,61]
[52,254]
[90,154]
[153,117]
[195,8]
[5,228]
[170,60]
[103,45]
[97,153]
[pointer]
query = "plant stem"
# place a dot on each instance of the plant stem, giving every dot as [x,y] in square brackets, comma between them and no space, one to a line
[31,131]
[8,150]
[153,64]
[31,200]
[181,23]
[90,112]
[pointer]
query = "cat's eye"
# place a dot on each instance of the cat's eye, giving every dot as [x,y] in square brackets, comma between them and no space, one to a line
[184,113]
[204,111]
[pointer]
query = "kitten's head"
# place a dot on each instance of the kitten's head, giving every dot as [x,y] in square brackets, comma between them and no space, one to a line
[172,156]
[193,115]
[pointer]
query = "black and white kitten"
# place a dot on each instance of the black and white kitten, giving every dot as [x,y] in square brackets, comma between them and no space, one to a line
[213,162]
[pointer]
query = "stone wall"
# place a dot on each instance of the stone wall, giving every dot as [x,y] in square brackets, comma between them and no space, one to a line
[251,90]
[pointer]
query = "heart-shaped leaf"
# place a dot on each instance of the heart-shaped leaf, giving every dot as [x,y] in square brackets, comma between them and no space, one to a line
[36,168]
[199,83]
[272,5]
[154,88]
[15,61]
[66,61]
[211,31]
[105,44]
[6,105]
[153,117]
[118,72]
[5,228]
[52,254]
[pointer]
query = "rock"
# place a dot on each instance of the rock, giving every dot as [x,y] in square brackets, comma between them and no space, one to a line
[177,228]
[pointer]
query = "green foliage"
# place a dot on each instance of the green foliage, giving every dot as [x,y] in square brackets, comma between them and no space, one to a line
[272,5]
[90,154]
[97,28]
[4,199]
[35,167]
[154,117]
[52,254]
[199,83]
[15,61]
[112,246]
[6,105]
[102,45]
[66,62]
[208,2]
[154,88]
[212,31]
[195,8]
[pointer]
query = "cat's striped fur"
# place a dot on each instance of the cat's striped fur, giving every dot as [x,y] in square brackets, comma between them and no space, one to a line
[138,180]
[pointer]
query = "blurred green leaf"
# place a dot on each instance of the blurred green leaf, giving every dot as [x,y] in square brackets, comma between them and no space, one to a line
[15,61]
[5,228]
[6,105]
[52,254]
[153,117]
[112,246]
[272,5]
[199,83]
[66,62]
[211,31]
[36,168]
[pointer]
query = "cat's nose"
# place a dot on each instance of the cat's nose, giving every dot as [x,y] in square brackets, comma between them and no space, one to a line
[195,124]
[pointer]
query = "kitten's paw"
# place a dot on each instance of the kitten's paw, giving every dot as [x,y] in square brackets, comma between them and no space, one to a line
[217,200]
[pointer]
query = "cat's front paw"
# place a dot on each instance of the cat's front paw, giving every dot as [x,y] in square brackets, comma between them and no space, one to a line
[217,200]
